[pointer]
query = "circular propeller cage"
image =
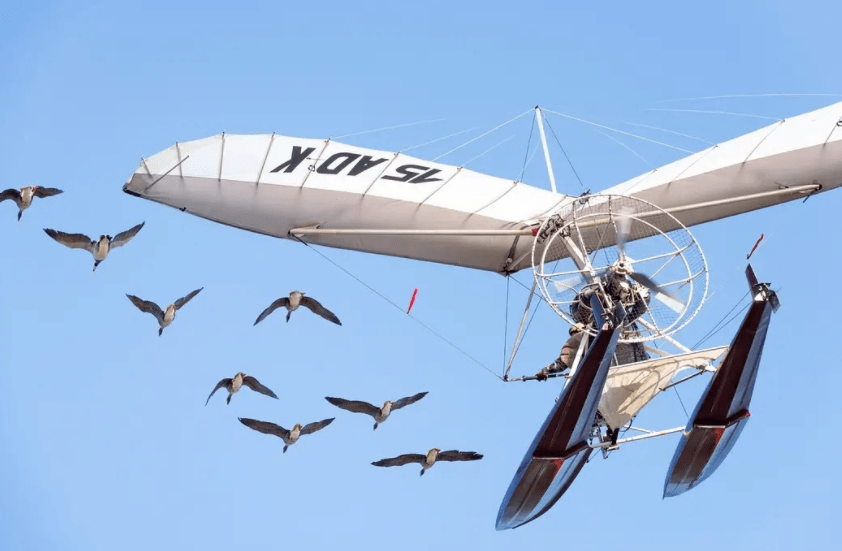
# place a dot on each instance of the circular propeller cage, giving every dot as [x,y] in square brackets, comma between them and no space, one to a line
[623,249]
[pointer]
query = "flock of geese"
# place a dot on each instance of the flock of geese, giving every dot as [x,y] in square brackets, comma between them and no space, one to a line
[100,249]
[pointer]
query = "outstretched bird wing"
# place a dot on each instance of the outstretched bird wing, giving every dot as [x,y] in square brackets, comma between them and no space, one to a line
[148,306]
[265,427]
[125,236]
[400,460]
[283,301]
[72,240]
[354,405]
[184,300]
[454,455]
[221,384]
[403,402]
[12,194]
[317,308]
[46,191]
[310,428]
[255,385]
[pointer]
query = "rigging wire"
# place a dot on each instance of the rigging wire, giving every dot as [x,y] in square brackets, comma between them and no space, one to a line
[481,135]
[675,388]
[421,323]
[385,128]
[487,150]
[713,113]
[437,139]
[526,329]
[667,131]
[565,153]
[528,143]
[747,96]
[619,131]
[714,330]
[638,155]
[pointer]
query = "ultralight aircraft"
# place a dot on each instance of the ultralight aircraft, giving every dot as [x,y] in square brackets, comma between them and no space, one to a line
[620,266]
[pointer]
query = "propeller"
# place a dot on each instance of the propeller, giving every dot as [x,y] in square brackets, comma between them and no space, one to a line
[623,225]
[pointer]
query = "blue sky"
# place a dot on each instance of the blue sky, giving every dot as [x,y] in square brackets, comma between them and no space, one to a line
[106,442]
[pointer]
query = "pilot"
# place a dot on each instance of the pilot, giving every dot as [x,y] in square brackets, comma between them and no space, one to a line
[568,353]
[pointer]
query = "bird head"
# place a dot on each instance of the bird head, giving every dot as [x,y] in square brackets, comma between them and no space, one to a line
[435,450]
[386,404]
[240,374]
[297,426]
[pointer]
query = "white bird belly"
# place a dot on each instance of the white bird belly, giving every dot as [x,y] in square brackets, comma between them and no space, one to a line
[101,251]
[169,315]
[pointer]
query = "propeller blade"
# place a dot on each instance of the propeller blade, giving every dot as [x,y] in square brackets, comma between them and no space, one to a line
[568,284]
[664,296]
[647,282]
[670,302]
[623,223]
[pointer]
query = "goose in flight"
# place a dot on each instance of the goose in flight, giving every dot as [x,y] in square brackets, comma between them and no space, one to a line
[99,248]
[289,437]
[293,301]
[427,461]
[232,385]
[380,414]
[164,317]
[23,197]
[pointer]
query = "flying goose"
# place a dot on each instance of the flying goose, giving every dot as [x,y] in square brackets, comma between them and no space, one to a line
[23,197]
[380,414]
[232,385]
[165,318]
[99,248]
[296,299]
[290,437]
[427,461]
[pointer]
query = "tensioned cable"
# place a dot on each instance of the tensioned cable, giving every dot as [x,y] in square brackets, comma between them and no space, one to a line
[421,323]
[482,135]
[438,139]
[385,128]
[573,168]
[713,113]
[618,131]
[747,96]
